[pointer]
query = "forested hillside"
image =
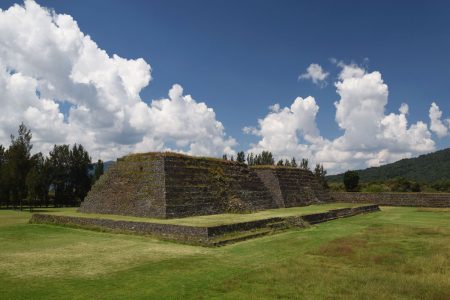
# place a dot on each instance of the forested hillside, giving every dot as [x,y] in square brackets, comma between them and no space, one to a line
[425,168]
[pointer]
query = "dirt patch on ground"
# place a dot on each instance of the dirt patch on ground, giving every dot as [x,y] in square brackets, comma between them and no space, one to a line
[347,246]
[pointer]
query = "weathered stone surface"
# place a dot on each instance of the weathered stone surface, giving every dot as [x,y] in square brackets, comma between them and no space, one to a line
[395,199]
[170,185]
[200,235]
[292,186]
[203,186]
[133,186]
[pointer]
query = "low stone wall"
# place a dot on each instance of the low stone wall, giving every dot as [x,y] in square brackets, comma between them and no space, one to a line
[168,231]
[394,199]
[339,213]
[197,235]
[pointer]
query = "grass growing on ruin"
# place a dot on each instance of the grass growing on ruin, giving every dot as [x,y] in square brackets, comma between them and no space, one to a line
[211,220]
[398,253]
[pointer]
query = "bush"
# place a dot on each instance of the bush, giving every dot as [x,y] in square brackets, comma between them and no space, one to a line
[351,181]
[375,188]
[336,187]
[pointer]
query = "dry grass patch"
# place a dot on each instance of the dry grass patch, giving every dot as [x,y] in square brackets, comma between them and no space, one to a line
[340,247]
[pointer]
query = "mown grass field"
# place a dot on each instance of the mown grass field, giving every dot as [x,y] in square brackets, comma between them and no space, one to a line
[398,253]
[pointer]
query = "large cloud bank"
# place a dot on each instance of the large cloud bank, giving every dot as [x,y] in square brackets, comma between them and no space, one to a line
[370,136]
[57,80]
[47,63]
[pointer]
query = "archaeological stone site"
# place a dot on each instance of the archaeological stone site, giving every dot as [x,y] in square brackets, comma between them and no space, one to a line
[170,185]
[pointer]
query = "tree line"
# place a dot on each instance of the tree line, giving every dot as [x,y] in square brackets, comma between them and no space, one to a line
[351,183]
[63,178]
[267,158]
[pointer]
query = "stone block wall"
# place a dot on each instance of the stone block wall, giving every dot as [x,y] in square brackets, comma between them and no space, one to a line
[292,187]
[170,185]
[203,186]
[133,186]
[395,199]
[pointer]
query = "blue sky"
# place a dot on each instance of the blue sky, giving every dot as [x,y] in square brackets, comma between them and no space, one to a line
[240,57]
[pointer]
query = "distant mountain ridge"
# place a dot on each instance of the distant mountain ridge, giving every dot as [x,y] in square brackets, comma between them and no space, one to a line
[425,168]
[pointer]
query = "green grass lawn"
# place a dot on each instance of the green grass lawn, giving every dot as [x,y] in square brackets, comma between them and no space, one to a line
[210,220]
[398,253]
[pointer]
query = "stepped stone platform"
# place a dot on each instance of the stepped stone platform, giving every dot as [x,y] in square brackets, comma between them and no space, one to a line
[170,185]
[292,187]
[204,233]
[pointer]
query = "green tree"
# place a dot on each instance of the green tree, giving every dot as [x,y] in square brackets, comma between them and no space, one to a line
[304,164]
[250,159]
[351,181]
[69,169]
[98,170]
[38,181]
[293,162]
[258,159]
[18,164]
[79,179]
[287,163]
[320,174]
[59,159]
[280,163]
[240,157]
[224,157]
[4,192]
[267,158]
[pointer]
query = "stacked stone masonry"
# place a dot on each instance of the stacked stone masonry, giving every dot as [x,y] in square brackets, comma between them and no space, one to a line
[292,187]
[201,235]
[395,199]
[169,185]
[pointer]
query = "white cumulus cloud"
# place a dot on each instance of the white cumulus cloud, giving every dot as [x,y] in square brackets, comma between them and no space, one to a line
[47,63]
[436,123]
[284,131]
[315,73]
[369,138]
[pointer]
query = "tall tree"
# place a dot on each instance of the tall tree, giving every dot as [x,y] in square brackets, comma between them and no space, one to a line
[258,159]
[304,164]
[98,170]
[267,158]
[280,163]
[240,157]
[38,181]
[351,181]
[4,192]
[19,163]
[224,157]
[80,164]
[250,159]
[320,174]
[60,171]
[293,162]
[287,163]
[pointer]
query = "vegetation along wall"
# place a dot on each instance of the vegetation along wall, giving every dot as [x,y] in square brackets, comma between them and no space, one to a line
[395,199]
